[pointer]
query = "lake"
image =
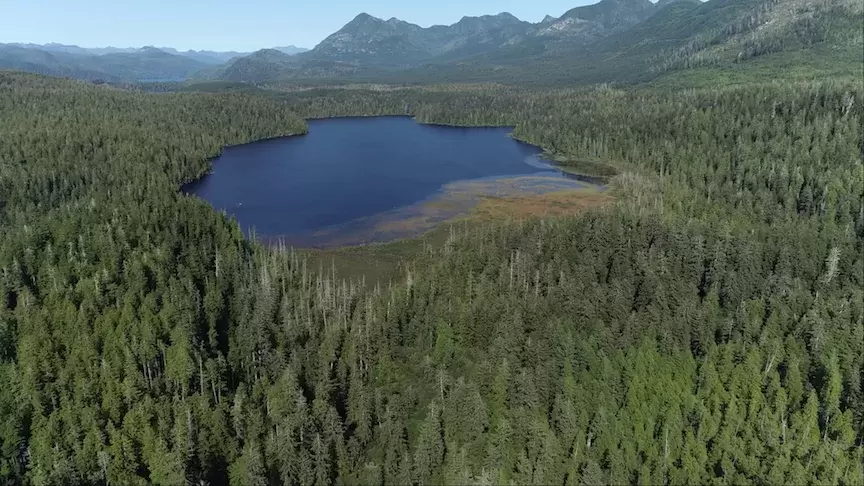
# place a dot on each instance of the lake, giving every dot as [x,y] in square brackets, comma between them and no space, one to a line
[348,173]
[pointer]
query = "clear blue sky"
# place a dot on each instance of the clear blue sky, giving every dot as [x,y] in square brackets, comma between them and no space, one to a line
[243,25]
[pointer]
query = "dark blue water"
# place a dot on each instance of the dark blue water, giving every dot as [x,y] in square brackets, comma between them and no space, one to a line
[350,168]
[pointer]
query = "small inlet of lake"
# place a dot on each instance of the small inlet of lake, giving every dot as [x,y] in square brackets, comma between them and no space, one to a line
[362,180]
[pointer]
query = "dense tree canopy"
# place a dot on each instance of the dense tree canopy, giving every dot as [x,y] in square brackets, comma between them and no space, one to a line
[708,328]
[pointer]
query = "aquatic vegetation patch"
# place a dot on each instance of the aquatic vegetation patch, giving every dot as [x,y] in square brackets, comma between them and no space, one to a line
[518,197]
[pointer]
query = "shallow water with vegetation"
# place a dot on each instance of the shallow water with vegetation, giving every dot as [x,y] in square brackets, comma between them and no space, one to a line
[352,181]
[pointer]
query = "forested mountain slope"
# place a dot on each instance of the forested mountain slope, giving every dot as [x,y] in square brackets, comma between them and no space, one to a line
[272,64]
[708,328]
[376,47]
[800,40]
[613,41]
[770,27]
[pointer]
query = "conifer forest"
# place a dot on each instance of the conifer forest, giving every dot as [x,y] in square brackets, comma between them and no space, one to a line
[707,327]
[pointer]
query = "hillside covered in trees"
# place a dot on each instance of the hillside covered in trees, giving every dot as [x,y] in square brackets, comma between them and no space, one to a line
[612,41]
[708,328]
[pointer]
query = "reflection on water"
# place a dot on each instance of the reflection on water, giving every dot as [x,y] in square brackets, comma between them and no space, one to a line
[545,165]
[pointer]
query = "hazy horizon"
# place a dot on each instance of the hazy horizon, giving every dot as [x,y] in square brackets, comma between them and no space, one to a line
[157,46]
[221,25]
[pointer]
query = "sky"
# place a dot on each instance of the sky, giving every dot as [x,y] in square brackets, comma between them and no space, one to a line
[238,25]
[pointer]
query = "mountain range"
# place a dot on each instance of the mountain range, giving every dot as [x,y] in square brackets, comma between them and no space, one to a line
[612,40]
[373,47]
[117,63]
[396,43]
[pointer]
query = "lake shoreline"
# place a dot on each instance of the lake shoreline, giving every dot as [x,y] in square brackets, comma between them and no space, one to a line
[546,154]
[400,229]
